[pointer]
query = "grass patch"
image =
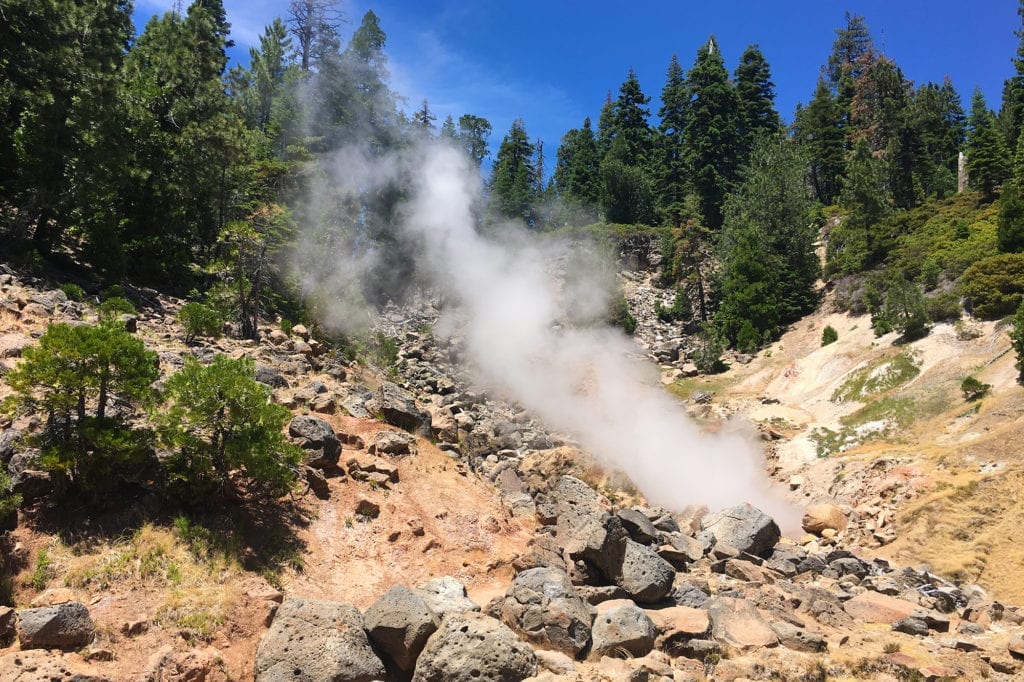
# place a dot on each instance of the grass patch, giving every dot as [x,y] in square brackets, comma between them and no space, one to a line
[879,378]
[41,574]
[684,388]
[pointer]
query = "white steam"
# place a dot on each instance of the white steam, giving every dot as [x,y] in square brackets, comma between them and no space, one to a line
[578,378]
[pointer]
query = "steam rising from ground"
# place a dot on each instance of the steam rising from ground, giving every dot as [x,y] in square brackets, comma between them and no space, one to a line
[576,377]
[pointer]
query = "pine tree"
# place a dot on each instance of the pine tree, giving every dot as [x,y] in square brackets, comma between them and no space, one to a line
[448,131]
[766,246]
[315,26]
[577,178]
[1012,111]
[627,195]
[855,244]
[1011,206]
[672,179]
[852,52]
[711,132]
[513,177]
[473,133]
[939,124]
[1017,341]
[988,162]
[819,130]
[756,94]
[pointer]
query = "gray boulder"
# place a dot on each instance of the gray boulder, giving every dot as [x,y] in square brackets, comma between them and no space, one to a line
[399,409]
[472,647]
[542,605]
[392,443]
[270,376]
[318,439]
[744,527]
[399,624]
[9,444]
[638,526]
[64,626]
[316,641]
[446,595]
[623,630]
[636,568]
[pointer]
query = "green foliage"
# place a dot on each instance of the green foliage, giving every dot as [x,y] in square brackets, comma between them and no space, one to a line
[680,311]
[1017,340]
[856,243]
[384,351]
[114,307]
[974,389]
[200,320]
[514,176]
[708,354]
[619,315]
[988,160]
[219,419]
[818,128]
[77,367]
[905,309]
[994,286]
[41,573]
[829,335]
[9,501]
[73,291]
[766,247]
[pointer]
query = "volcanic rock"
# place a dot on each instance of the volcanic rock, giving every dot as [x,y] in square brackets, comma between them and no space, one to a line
[542,605]
[737,624]
[819,517]
[317,437]
[398,408]
[446,595]
[64,626]
[472,647]
[744,527]
[622,629]
[399,624]
[303,630]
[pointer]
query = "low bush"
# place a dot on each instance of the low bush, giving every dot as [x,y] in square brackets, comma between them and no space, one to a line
[829,335]
[200,320]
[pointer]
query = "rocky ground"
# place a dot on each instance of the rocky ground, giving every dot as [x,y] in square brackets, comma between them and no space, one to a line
[444,534]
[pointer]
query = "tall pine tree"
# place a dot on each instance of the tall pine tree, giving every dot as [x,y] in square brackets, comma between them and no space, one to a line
[988,161]
[756,94]
[818,128]
[513,177]
[672,179]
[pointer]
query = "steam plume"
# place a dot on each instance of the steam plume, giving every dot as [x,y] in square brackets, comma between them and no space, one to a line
[577,378]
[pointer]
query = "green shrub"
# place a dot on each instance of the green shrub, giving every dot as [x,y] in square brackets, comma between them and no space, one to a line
[680,311]
[944,307]
[9,501]
[73,369]
[287,326]
[219,419]
[73,291]
[708,355]
[974,389]
[619,316]
[829,335]
[114,307]
[747,338]
[384,350]
[1017,340]
[113,291]
[200,320]
[995,286]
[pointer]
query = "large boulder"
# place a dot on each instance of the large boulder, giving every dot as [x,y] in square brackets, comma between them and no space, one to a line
[622,629]
[399,624]
[579,511]
[316,641]
[744,527]
[318,439]
[9,444]
[65,626]
[472,647]
[821,517]
[399,409]
[636,568]
[544,607]
[46,666]
[875,607]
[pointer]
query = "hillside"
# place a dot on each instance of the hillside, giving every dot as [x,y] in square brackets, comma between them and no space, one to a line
[179,592]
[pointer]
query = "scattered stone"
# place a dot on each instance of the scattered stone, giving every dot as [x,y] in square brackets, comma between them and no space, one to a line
[446,595]
[679,624]
[472,647]
[398,408]
[8,617]
[798,639]
[53,596]
[542,605]
[194,665]
[317,437]
[302,631]
[872,607]
[638,526]
[65,626]
[367,509]
[744,527]
[622,629]
[555,662]
[821,517]
[1016,646]
[911,626]
[399,624]
[737,624]
[12,345]
[393,443]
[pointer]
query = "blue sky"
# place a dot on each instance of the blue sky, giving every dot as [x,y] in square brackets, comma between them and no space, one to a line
[552,62]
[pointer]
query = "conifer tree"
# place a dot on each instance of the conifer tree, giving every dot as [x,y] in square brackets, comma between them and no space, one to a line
[988,162]
[1012,111]
[627,195]
[577,178]
[852,52]
[1011,206]
[671,176]
[756,94]
[711,131]
[473,133]
[513,177]
[819,130]
[855,244]
[938,120]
